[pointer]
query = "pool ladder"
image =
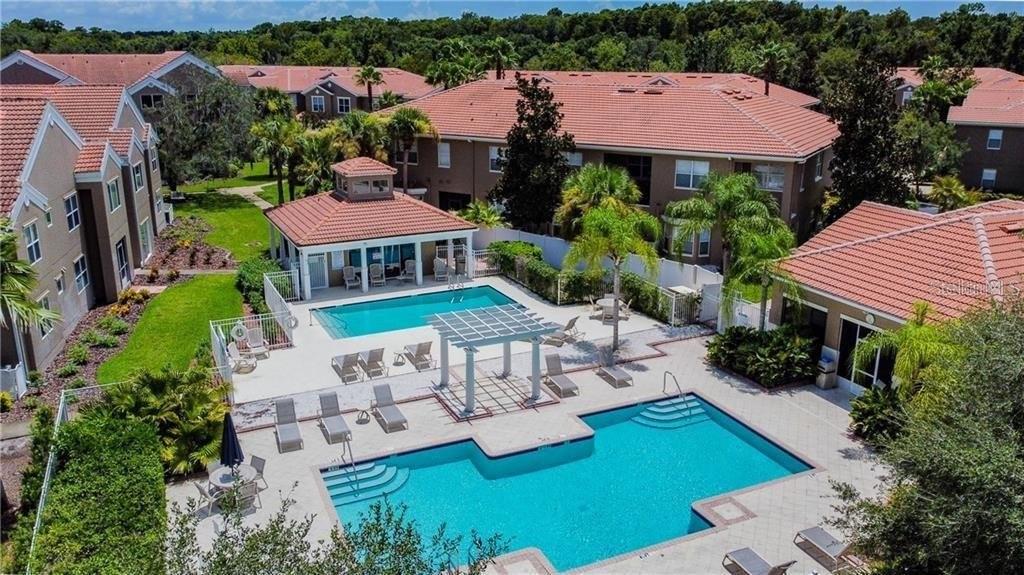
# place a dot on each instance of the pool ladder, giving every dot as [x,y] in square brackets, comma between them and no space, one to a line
[346,447]
[455,281]
[664,386]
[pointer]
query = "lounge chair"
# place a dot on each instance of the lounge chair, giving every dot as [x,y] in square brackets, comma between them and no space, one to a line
[564,334]
[747,561]
[827,550]
[351,279]
[259,464]
[257,343]
[440,270]
[377,275]
[240,363]
[409,272]
[383,405]
[286,426]
[556,378]
[419,355]
[331,422]
[372,362]
[347,367]
[615,375]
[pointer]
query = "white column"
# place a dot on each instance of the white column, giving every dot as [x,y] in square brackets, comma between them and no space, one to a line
[468,252]
[304,270]
[419,263]
[507,359]
[470,380]
[365,277]
[535,376]
[444,362]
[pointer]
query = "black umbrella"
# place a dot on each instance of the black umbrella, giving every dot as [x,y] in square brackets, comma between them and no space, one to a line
[230,450]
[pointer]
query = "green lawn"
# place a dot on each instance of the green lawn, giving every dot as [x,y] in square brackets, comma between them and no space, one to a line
[173,326]
[238,225]
[269,192]
[255,175]
[751,293]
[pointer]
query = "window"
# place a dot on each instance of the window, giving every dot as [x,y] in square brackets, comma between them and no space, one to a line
[638,168]
[906,96]
[770,177]
[988,179]
[32,243]
[444,155]
[704,244]
[45,325]
[71,209]
[691,173]
[48,217]
[819,166]
[995,140]
[337,260]
[144,241]
[494,154]
[81,274]
[687,246]
[59,282]
[137,177]
[154,160]
[344,105]
[159,203]
[878,371]
[152,100]
[113,195]
[414,154]
[123,267]
[317,104]
[575,159]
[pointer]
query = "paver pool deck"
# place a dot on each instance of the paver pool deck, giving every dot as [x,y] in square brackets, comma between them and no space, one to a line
[809,422]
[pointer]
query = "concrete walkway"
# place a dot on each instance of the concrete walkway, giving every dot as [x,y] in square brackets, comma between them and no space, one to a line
[249,193]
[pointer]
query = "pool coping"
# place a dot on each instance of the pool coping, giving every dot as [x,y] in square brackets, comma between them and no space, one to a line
[703,507]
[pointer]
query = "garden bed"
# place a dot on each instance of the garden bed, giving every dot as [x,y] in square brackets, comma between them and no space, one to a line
[183,245]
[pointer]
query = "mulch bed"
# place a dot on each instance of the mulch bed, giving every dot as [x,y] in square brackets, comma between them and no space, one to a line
[182,245]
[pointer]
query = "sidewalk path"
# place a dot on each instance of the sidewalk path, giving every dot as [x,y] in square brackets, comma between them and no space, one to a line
[249,193]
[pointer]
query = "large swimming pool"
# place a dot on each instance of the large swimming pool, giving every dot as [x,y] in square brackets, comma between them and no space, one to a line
[404,312]
[629,486]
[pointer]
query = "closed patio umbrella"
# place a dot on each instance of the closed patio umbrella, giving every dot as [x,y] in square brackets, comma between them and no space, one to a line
[230,450]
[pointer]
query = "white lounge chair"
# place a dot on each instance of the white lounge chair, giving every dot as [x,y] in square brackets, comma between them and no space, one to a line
[377,275]
[331,422]
[372,362]
[286,426]
[567,333]
[746,561]
[351,279]
[383,405]
[408,272]
[347,367]
[258,345]
[440,270]
[615,375]
[556,378]
[419,355]
[827,550]
[240,363]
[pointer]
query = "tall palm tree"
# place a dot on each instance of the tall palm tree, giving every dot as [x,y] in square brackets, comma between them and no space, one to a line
[369,76]
[318,155]
[757,263]
[501,54]
[770,61]
[614,232]
[388,99]
[363,135]
[17,282]
[482,214]
[404,125]
[271,140]
[731,204]
[590,186]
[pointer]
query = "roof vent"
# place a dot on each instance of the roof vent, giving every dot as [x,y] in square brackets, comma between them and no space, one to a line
[1013,228]
[653,92]
[626,90]
[508,87]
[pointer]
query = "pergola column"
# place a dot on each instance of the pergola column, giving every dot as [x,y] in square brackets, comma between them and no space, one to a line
[444,362]
[467,252]
[365,276]
[419,263]
[304,270]
[506,368]
[535,375]
[470,380]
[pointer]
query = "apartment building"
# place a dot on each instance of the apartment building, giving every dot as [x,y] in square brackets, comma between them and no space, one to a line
[669,137]
[80,183]
[148,78]
[328,92]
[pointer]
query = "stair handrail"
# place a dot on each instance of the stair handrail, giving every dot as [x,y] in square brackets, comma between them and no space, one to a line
[347,447]
[664,387]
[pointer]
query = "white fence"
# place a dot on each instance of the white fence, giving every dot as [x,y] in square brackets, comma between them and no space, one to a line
[744,313]
[281,287]
[275,329]
[13,380]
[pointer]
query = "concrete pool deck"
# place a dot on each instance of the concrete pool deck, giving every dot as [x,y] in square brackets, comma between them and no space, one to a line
[809,422]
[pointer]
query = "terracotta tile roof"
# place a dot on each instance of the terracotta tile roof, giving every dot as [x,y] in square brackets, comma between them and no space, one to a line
[302,78]
[125,69]
[654,79]
[90,158]
[894,257]
[327,219]
[1002,107]
[705,119]
[986,77]
[19,120]
[363,166]
[91,109]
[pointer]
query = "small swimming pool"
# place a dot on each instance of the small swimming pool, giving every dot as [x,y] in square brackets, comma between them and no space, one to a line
[631,485]
[349,320]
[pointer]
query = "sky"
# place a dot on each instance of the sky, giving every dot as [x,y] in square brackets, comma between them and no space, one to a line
[142,15]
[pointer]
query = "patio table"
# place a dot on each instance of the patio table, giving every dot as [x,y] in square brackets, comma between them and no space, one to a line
[607,302]
[223,478]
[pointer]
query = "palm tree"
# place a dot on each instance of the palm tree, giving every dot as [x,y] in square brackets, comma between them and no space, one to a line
[369,76]
[590,186]
[949,193]
[363,135]
[916,346]
[403,126]
[732,204]
[456,64]
[614,232]
[271,140]
[17,282]
[757,263]
[770,61]
[388,99]
[318,155]
[482,214]
[502,55]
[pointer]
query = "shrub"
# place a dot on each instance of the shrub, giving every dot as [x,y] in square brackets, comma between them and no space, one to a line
[106,340]
[249,281]
[173,274]
[105,512]
[77,383]
[771,358]
[153,274]
[67,370]
[131,296]
[34,378]
[41,433]
[113,325]
[643,296]
[6,402]
[877,416]
[506,252]
[32,403]
[578,286]
[78,354]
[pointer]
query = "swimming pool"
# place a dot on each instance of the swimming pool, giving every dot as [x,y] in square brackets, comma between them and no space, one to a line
[403,312]
[630,485]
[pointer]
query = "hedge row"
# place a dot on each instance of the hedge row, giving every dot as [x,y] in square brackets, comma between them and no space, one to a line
[249,281]
[105,512]
[524,262]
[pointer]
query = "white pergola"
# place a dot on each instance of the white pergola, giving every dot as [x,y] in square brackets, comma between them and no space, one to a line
[475,328]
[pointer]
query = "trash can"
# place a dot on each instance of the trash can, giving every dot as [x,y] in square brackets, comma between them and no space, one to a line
[827,366]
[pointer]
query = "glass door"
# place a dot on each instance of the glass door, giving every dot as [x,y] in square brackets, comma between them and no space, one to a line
[124,270]
[878,371]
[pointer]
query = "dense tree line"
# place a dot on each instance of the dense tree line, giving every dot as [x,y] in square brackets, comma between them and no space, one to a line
[711,36]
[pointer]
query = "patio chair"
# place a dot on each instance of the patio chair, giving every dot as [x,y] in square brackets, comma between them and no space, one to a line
[383,405]
[440,270]
[372,362]
[331,422]
[377,275]
[286,426]
[258,345]
[248,495]
[827,550]
[747,561]
[419,355]
[347,367]
[560,383]
[566,333]
[208,497]
[240,363]
[409,272]
[259,464]
[624,311]
[615,375]
[351,279]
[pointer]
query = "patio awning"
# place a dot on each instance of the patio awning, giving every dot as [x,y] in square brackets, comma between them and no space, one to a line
[489,325]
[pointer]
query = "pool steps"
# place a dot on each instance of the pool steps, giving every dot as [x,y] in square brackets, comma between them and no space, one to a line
[672,413]
[364,481]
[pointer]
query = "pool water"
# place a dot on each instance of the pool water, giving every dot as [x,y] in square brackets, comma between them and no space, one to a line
[404,312]
[629,486]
